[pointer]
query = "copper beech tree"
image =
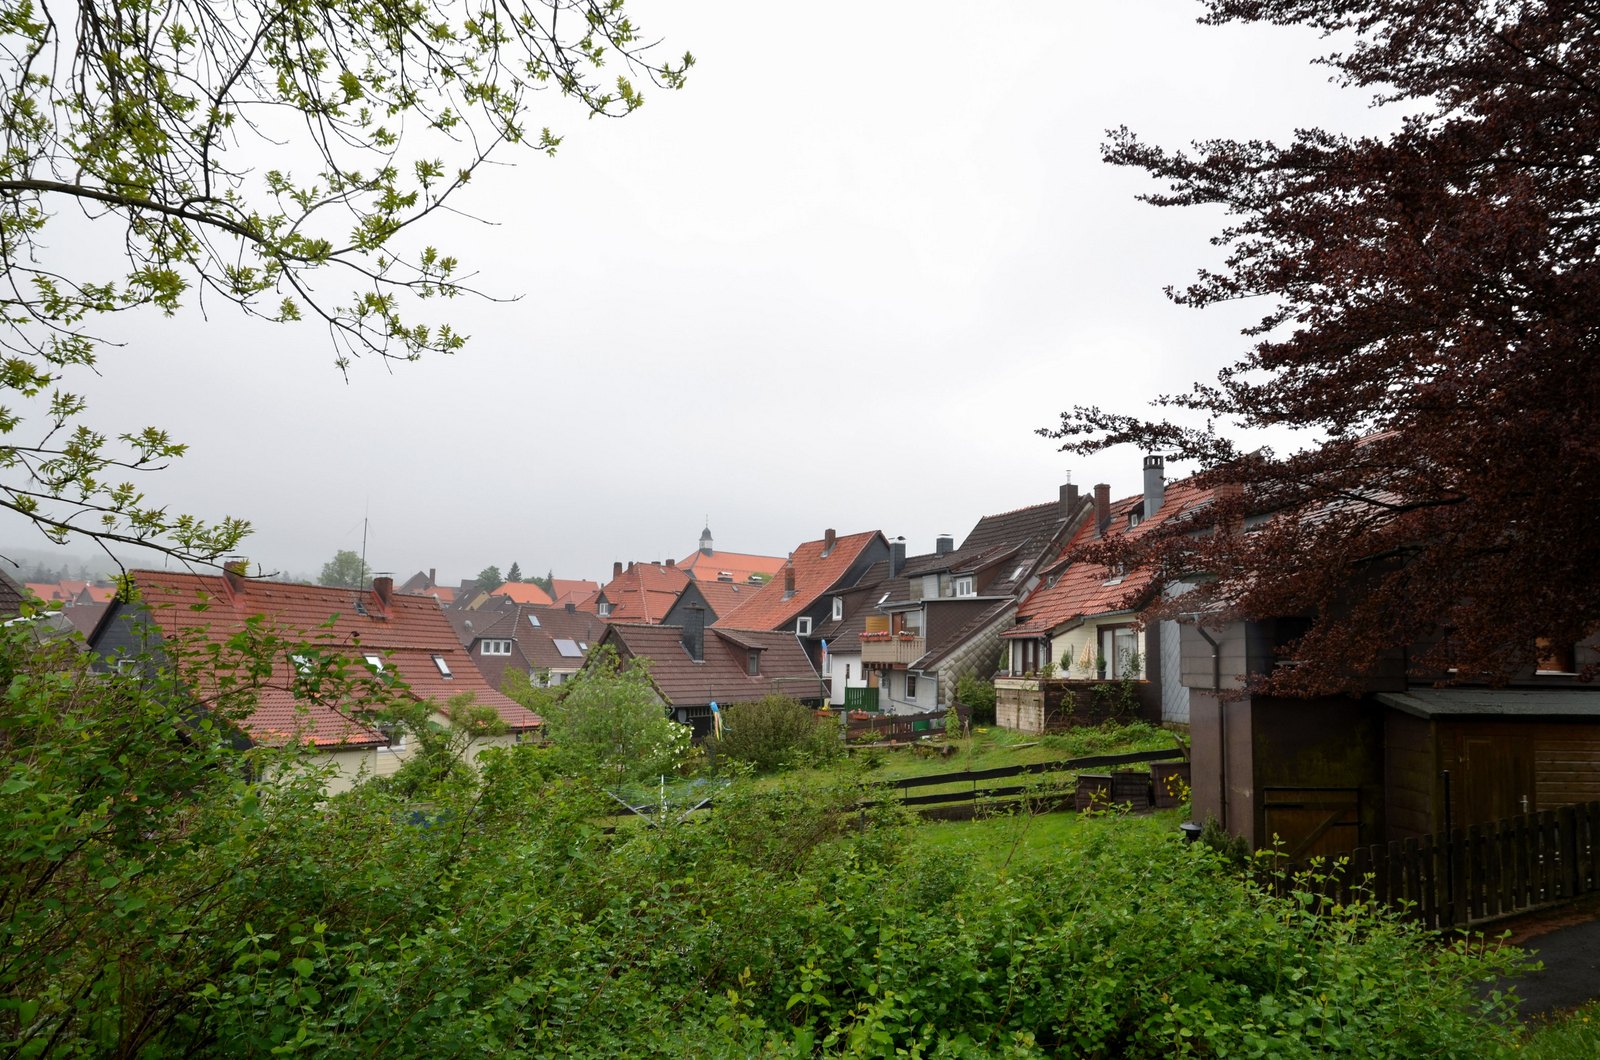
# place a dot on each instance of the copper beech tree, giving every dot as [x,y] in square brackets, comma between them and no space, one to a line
[1434,322]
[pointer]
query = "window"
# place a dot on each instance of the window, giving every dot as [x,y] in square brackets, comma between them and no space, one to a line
[753,663]
[827,666]
[302,664]
[911,686]
[838,608]
[533,620]
[375,662]
[1119,647]
[394,733]
[965,586]
[605,608]
[494,647]
[802,626]
[568,648]
[444,667]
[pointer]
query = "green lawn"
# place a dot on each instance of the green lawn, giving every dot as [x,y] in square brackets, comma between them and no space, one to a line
[1576,1034]
[994,842]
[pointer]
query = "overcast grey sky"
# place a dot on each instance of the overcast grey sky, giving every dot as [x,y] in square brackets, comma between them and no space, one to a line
[837,281]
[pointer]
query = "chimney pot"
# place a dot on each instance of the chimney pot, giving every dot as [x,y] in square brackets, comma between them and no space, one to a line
[1102,508]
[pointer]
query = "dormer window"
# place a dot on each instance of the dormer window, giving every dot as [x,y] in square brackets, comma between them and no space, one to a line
[965,586]
[802,626]
[494,647]
[605,608]
[753,663]
[838,608]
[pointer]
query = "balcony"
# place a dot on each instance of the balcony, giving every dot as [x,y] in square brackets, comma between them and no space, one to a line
[892,649]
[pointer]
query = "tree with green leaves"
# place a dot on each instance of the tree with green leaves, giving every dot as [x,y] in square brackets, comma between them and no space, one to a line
[346,569]
[610,722]
[282,157]
[515,573]
[489,579]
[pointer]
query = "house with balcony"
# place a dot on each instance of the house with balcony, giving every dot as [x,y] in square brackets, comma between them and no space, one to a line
[1083,623]
[942,616]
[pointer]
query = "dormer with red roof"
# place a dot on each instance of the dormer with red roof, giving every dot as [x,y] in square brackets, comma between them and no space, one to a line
[641,592]
[389,633]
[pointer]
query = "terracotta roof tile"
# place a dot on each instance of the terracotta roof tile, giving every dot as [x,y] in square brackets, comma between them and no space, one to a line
[524,593]
[739,565]
[815,575]
[406,633]
[1086,589]
[644,592]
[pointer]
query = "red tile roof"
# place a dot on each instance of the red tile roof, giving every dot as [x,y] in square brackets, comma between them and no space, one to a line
[704,568]
[726,597]
[815,574]
[524,593]
[644,592]
[1086,589]
[406,632]
[572,590]
[724,675]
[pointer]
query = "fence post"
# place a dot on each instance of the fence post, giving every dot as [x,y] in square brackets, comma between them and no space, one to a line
[1567,827]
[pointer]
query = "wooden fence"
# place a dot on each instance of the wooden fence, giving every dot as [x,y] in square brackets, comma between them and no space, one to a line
[1475,874]
[977,788]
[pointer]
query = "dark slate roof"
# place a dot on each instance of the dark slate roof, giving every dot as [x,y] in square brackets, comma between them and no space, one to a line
[722,676]
[12,596]
[860,600]
[1001,611]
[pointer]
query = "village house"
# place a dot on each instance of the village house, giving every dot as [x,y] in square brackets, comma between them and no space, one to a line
[546,644]
[693,667]
[402,643]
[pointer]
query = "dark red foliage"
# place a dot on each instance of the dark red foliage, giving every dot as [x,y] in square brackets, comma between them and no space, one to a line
[1436,317]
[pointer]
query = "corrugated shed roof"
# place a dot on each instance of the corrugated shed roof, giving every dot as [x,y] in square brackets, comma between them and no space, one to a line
[406,633]
[814,575]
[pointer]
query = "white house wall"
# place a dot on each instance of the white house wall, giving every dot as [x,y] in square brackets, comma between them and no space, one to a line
[1174,695]
[1068,649]
[837,682]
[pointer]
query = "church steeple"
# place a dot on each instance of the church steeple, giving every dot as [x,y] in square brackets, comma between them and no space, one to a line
[705,539]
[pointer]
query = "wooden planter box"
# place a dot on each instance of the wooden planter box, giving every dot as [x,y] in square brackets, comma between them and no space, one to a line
[1164,777]
[1132,789]
[1094,791]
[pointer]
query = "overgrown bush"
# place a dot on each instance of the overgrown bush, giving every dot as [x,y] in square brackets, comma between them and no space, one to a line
[155,901]
[978,695]
[776,733]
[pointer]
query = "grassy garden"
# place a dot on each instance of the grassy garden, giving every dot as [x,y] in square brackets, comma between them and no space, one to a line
[162,893]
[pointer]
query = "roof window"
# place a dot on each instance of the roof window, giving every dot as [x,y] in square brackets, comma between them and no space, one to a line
[444,667]
[533,620]
[375,662]
[568,648]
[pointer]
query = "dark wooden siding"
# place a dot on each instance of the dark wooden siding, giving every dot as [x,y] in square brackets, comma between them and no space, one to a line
[1331,743]
[1410,776]
[1566,760]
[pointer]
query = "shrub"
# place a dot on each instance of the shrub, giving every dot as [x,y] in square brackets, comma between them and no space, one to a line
[775,733]
[978,695]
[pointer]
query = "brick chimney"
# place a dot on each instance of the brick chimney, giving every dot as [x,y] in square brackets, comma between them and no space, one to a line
[694,632]
[1155,485]
[1102,508]
[433,577]
[829,539]
[788,581]
[616,570]
[671,562]
[383,589]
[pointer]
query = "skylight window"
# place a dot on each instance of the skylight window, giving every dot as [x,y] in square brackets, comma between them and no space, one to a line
[533,620]
[444,667]
[568,648]
[375,662]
